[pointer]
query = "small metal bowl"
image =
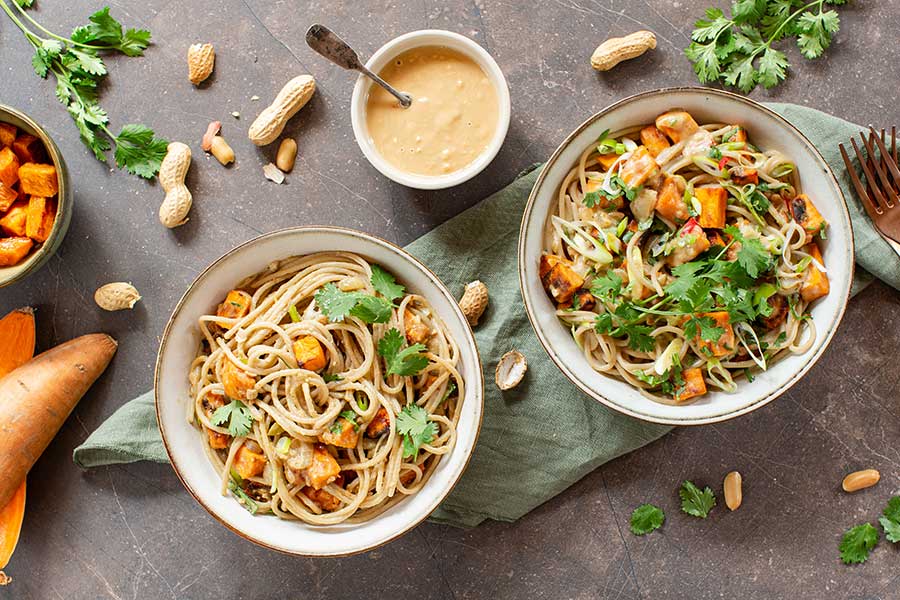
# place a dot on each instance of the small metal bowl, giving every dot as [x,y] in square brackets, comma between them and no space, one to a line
[64,200]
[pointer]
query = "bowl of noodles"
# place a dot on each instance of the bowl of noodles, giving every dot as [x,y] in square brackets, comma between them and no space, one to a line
[318,391]
[685,256]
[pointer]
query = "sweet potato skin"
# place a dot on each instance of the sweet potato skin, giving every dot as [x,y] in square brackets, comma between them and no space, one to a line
[36,399]
[13,250]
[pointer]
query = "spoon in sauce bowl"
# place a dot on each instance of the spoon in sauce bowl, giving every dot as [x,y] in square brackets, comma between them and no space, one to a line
[328,44]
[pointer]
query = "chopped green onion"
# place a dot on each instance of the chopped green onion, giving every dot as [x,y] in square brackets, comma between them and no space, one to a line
[283,447]
[295,316]
[782,170]
[362,401]
[801,266]
[275,429]
[620,229]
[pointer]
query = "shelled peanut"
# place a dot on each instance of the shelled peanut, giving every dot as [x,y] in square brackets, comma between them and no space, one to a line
[29,186]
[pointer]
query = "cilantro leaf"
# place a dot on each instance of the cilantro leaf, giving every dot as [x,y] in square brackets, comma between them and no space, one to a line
[591,199]
[772,67]
[385,284]
[102,29]
[337,304]
[138,151]
[371,309]
[704,327]
[695,502]
[646,518]
[607,287]
[237,415]
[243,499]
[24,3]
[401,361]
[748,11]
[890,521]
[415,428]
[713,26]
[752,256]
[337,428]
[134,42]
[857,542]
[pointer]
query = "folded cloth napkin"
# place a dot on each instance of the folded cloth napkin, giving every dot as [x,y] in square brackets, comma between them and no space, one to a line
[543,436]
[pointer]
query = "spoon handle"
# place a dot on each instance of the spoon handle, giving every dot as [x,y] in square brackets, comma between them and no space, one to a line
[328,44]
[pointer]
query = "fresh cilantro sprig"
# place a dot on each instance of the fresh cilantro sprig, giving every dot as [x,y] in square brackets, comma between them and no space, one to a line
[646,518]
[622,322]
[78,68]
[415,429]
[857,542]
[337,427]
[401,361]
[890,520]
[236,415]
[337,304]
[695,502]
[619,187]
[385,284]
[738,50]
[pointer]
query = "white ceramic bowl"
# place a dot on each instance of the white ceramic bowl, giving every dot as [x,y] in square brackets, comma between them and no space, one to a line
[184,443]
[767,130]
[415,39]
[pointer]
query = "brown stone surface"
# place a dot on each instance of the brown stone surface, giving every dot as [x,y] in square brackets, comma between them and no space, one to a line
[133,531]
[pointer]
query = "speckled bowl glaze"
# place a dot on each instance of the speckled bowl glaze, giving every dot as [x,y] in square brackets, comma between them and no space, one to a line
[184,443]
[65,198]
[767,130]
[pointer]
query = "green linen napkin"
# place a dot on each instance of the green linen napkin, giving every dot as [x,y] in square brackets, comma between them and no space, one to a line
[540,438]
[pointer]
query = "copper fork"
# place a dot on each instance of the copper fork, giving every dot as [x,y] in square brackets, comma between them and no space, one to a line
[881,194]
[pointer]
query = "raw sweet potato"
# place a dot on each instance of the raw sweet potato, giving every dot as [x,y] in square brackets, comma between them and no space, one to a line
[7,134]
[36,399]
[41,215]
[7,196]
[13,250]
[9,167]
[29,149]
[39,180]
[13,222]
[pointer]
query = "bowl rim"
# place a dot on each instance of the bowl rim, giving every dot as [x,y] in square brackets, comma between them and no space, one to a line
[470,339]
[64,200]
[432,37]
[528,215]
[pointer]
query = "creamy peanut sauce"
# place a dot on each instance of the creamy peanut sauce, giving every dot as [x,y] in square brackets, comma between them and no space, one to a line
[452,119]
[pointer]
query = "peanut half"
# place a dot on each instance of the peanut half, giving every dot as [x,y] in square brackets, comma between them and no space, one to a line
[172,172]
[860,480]
[116,296]
[734,493]
[287,155]
[221,150]
[615,50]
[271,121]
[201,59]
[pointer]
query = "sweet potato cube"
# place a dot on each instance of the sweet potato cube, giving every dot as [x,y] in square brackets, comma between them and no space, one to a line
[236,381]
[602,202]
[235,306]
[309,353]
[736,134]
[7,134]
[417,332]
[713,202]
[677,124]
[638,168]
[40,218]
[607,160]
[693,385]
[13,250]
[343,433]
[548,261]
[688,244]
[725,344]
[39,180]
[560,280]
[13,222]
[9,167]
[807,215]
[218,441]
[322,499]
[744,175]
[248,463]
[815,283]
[7,196]
[324,468]
[29,149]
[379,425]
[654,139]
[670,202]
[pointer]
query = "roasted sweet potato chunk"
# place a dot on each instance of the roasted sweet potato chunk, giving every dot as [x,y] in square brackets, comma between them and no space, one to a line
[236,381]
[779,306]
[7,196]
[560,280]
[39,180]
[322,499]
[13,250]
[670,202]
[323,470]
[417,332]
[713,202]
[9,167]
[593,185]
[29,149]
[13,222]
[343,433]
[607,160]
[309,354]
[40,218]
[807,215]
[725,345]
[689,243]
[736,134]
[235,306]
[744,175]
[379,425]
[7,134]
[654,140]
[815,282]
[677,124]
[248,463]
[693,385]
[638,168]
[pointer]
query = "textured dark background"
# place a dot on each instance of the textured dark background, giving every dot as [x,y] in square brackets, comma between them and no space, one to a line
[133,532]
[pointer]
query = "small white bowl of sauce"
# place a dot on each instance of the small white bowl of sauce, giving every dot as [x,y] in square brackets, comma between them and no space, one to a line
[459,115]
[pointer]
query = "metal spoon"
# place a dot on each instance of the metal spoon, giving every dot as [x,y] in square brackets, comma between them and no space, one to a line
[328,44]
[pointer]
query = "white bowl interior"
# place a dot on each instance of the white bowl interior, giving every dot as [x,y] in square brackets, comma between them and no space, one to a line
[415,39]
[184,442]
[766,130]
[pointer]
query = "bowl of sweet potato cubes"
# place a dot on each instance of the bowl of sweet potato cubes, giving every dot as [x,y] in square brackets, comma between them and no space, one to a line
[35,201]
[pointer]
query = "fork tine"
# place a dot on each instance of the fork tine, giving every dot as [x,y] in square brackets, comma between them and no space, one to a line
[891,165]
[879,170]
[866,200]
[876,194]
